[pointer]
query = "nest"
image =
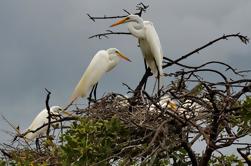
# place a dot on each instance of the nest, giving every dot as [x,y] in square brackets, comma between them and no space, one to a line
[148,122]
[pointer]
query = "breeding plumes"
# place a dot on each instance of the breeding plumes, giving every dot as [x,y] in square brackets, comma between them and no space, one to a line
[148,41]
[40,120]
[104,61]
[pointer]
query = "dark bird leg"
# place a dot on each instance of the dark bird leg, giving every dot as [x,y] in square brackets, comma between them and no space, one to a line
[37,145]
[95,91]
[154,86]
[158,77]
[144,87]
[90,96]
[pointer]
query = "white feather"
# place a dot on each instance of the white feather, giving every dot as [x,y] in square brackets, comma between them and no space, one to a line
[102,62]
[40,120]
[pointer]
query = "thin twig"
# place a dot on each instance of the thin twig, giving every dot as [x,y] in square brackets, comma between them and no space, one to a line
[48,111]
[109,32]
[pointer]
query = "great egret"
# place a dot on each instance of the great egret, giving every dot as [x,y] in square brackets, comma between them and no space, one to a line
[40,120]
[148,41]
[104,61]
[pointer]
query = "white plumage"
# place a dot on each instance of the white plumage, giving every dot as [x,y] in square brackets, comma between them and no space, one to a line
[148,41]
[165,102]
[40,120]
[102,62]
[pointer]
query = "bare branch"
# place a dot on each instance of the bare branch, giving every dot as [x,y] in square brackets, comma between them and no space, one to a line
[140,7]
[48,111]
[190,152]
[245,157]
[109,32]
[224,37]
[104,17]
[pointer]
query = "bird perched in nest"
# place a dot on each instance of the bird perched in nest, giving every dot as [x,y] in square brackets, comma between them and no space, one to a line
[40,120]
[104,61]
[148,41]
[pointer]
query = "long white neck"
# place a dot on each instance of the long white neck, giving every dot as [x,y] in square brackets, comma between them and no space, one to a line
[136,28]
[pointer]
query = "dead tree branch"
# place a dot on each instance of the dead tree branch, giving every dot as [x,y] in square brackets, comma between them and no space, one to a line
[148,73]
[109,32]
[244,156]
[141,7]
[48,111]
[243,39]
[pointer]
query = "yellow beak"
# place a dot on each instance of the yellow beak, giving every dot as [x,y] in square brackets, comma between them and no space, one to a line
[66,113]
[119,22]
[172,106]
[122,56]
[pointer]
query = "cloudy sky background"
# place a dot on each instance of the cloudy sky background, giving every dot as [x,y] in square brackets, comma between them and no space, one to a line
[44,44]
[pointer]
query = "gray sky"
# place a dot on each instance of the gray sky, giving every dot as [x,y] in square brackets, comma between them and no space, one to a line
[44,44]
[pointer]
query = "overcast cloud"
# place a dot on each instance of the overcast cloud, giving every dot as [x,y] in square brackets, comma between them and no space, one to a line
[44,44]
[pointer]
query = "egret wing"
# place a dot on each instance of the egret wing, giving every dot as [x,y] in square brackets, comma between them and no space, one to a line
[153,41]
[38,121]
[96,69]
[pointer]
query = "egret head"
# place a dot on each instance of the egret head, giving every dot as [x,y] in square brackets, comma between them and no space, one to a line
[129,18]
[56,109]
[114,52]
[59,111]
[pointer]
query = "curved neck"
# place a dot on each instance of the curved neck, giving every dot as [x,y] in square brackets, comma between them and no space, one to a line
[137,28]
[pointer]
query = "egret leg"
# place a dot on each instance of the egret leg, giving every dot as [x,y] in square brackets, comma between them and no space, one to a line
[158,83]
[154,86]
[158,79]
[37,144]
[95,91]
[144,87]
[90,96]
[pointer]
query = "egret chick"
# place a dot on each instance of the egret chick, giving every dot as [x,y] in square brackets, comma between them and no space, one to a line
[165,102]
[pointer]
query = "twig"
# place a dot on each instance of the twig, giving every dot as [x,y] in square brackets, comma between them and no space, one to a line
[128,87]
[140,6]
[104,17]
[207,63]
[243,39]
[109,32]
[52,122]
[148,73]
[244,156]
[190,153]
[48,111]
[243,91]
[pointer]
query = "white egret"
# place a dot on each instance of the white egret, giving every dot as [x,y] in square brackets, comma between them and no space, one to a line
[104,61]
[148,41]
[40,120]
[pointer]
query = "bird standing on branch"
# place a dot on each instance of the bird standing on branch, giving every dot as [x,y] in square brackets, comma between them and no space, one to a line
[148,41]
[104,61]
